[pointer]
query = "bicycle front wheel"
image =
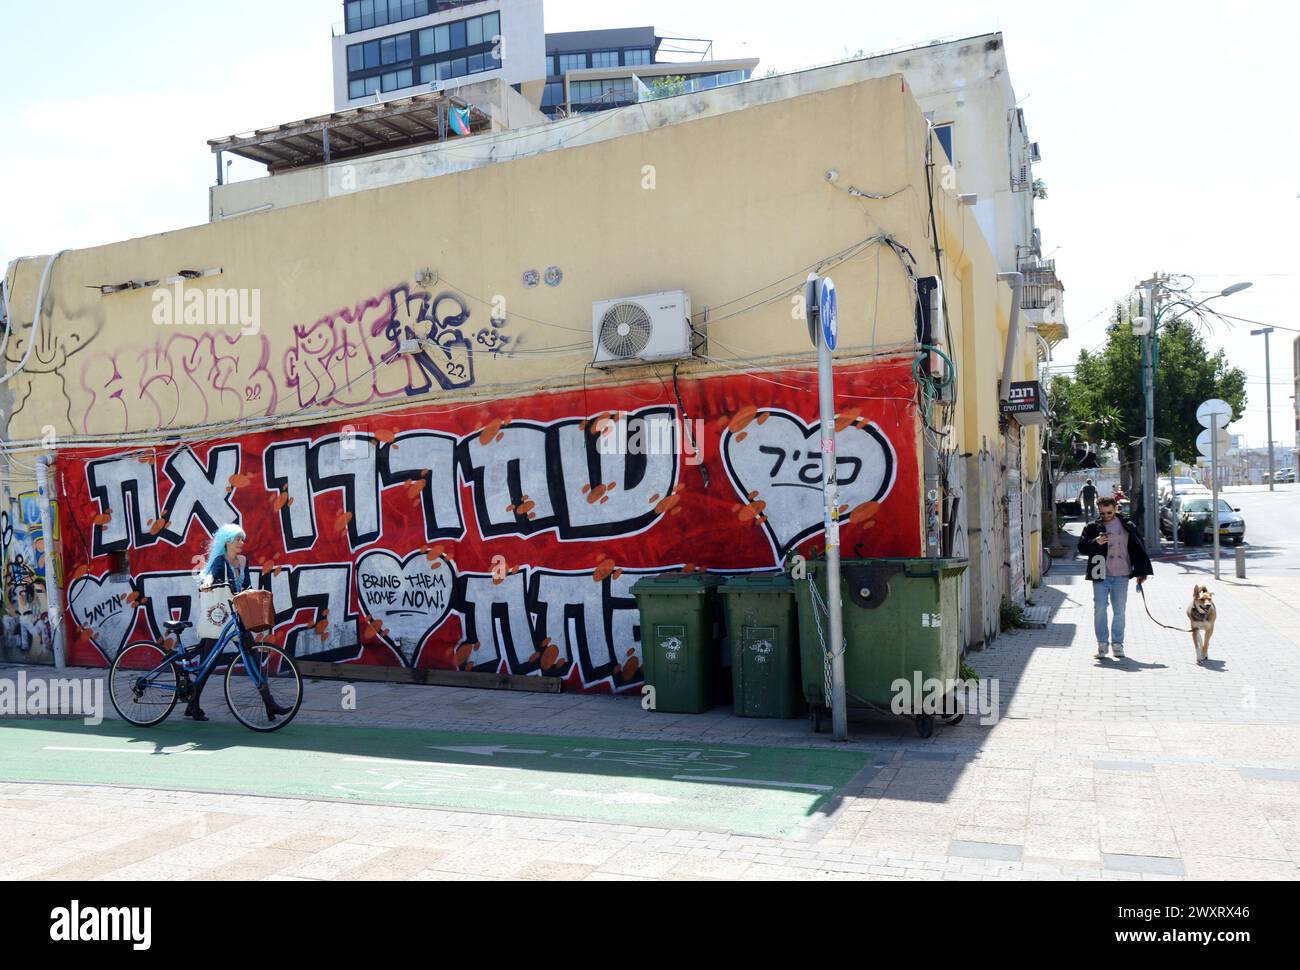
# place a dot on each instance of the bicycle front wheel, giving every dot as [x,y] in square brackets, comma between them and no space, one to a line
[276,672]
[142,686]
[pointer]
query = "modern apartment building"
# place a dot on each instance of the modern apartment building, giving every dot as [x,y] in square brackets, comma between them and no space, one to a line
[593,70]
[386,49]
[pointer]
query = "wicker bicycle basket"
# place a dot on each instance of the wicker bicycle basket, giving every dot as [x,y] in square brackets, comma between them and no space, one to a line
[256,610]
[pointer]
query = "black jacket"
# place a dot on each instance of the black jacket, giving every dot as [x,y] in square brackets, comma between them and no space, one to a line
[224,574]
[1096,553]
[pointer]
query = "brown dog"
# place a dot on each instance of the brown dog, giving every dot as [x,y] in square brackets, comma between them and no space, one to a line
[1203,615]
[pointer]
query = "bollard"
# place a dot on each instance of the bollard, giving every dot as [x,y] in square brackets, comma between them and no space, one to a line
[1241,562]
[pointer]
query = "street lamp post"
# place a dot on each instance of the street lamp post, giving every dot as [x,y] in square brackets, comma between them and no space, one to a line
[1268,376]
[1156,294]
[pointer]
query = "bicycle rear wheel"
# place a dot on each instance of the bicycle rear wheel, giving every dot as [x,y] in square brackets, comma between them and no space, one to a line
[142,686]
[277,670]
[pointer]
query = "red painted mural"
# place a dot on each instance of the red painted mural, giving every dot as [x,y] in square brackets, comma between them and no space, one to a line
[502,536]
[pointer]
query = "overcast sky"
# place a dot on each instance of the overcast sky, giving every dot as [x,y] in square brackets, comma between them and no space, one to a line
[1170,131]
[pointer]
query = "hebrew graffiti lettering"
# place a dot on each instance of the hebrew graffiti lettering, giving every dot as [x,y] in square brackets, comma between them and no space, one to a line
[774,461]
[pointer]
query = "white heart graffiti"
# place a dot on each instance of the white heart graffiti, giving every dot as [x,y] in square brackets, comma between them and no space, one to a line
[100,606]
[779,462]
[409,599]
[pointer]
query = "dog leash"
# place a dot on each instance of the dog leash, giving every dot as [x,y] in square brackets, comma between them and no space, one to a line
[1143,591]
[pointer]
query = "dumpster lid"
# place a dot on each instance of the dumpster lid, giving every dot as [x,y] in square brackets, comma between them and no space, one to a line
[760,583]
[913,567]
[678,583]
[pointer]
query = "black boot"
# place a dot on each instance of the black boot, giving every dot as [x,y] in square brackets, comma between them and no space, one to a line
[195,712]
[194,692]
[273,709]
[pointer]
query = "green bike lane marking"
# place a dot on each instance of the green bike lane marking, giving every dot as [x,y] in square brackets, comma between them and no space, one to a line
[775,792]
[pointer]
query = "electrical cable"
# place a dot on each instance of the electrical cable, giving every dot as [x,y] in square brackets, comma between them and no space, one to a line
[686,423]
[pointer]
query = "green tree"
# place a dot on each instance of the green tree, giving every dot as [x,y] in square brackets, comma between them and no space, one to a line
[667,87]
[1186,375]
[1076,419]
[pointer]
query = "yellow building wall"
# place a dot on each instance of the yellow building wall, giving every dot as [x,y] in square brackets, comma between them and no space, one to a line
[720,208]
[734,209]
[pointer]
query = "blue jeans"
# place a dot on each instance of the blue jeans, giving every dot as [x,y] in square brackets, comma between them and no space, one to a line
[1113,589]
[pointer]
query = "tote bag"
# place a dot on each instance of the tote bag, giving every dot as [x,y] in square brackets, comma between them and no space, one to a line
[216,606]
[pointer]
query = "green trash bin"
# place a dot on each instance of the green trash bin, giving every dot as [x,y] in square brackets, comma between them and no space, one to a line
[679,640]
[762,620]
[900,623]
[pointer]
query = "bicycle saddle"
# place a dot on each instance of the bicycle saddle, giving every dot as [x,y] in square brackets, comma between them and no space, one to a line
[177,626]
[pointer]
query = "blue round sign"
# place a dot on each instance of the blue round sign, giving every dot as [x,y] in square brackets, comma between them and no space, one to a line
[829,306]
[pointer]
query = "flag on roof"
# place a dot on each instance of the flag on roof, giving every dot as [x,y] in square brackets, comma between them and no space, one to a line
[458,120]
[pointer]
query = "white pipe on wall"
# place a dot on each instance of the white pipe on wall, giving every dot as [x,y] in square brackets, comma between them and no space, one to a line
[1017,281]
[36,320]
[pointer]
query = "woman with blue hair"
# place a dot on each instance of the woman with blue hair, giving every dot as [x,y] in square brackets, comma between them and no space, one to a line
[228,566]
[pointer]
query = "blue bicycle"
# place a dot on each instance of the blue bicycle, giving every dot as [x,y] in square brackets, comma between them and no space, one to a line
[148,679]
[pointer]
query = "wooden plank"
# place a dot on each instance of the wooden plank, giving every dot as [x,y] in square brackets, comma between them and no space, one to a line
[428,678]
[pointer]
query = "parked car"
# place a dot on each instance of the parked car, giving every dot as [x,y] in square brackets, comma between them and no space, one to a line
[1286,476]
[1186,485]
[1194,516]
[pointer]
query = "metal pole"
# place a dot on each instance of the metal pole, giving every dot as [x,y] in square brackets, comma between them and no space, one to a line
[1268,374]
[834,598]
[1150,522]
[1173,498]
[53,591]
[1214,473]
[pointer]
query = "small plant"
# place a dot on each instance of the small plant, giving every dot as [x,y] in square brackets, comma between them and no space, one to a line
[968,674]
[1013,616]
[667,87]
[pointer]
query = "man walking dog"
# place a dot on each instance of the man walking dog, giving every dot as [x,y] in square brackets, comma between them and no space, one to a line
[1115,555]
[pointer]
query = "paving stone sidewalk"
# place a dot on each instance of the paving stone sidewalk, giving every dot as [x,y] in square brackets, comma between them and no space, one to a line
[1147,769]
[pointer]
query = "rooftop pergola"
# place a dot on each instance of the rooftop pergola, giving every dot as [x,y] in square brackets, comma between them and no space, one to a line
[354,133]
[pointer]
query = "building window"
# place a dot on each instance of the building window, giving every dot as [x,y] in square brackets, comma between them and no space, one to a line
[459,49]
[944,134]
[364,14]
[554,95]
[604,59]
[638,55]
[572,62]
[616,91]
[551,70]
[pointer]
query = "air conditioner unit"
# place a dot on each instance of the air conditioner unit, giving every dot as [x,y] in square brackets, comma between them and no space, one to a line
[642,329]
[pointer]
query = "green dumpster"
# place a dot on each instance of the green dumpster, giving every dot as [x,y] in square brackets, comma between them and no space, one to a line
[679,639]
[762,620]
[900,624]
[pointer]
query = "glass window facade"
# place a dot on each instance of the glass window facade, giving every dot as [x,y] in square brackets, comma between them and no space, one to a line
[609,92]
[365,14]
[443,52]
[560,63]
[554,95]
